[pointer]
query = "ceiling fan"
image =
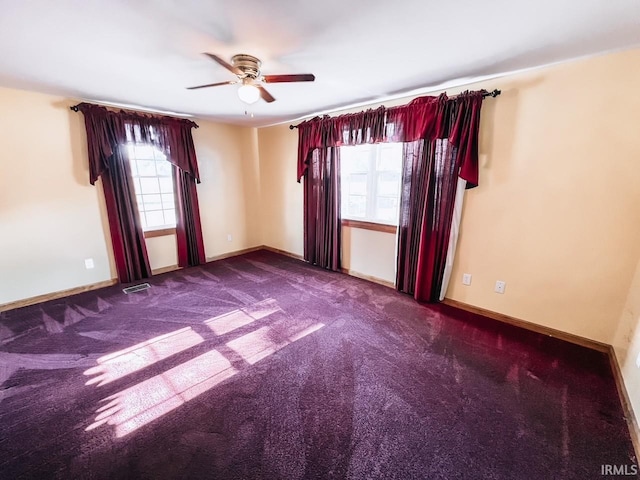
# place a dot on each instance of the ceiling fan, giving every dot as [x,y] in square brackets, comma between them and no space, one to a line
[247,69]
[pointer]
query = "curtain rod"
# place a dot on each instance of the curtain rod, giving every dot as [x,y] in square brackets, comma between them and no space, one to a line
[152,114]
[485,94]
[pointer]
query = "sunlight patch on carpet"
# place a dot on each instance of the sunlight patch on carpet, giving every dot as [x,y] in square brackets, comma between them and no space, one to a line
[261,343]
[229,322]
[139,405]
[124,362]
[151,399]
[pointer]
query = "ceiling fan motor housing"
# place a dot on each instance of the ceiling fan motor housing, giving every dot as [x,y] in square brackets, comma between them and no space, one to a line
[248,64]
[247,70]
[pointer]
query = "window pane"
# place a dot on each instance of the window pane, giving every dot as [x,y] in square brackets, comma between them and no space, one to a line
[355,159]
[164,168]
[170,217]
[158,155]
[390,158]
[361,163]
[368,198]
[152,202]
[153,182]
[149,185]
[167,201]
[134,166]
[146,168]
[166,184]
[387,209]
[357,206]
[155,219]
[357,184]
[388,183]
[143,152]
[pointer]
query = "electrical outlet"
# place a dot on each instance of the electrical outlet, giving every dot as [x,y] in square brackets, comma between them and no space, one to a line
[228,237]
[500,286]
[88,263]
[638,361]
[466,279]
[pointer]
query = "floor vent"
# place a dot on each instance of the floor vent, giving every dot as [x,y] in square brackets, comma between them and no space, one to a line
[136,288]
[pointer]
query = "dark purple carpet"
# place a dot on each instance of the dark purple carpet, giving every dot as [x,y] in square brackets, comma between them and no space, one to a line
[261,367]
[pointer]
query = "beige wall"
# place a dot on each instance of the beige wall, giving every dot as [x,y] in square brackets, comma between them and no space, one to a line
[282,203]
[557,213]
[162,251]
[51,219]
[360,246]
[229,194]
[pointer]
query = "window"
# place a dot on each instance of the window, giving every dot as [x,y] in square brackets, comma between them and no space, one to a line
[370,178]
[153,181]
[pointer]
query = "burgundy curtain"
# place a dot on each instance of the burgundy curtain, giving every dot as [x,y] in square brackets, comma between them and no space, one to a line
[173,137]
[428,193]
[188,227]
[322,223]
[417,157]
[440,136]
[399,124]
[106,137]
[441,185]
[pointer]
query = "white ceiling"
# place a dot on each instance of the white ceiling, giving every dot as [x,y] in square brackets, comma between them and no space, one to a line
[144,53]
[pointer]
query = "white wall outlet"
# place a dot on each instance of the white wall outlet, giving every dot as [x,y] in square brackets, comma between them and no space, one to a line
[88,263]
[466,279]
[500,286]
[228,237]
[638,361]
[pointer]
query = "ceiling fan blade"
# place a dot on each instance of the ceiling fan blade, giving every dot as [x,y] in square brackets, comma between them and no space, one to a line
[266,96]
[211,85]
[224,63]
[300,77]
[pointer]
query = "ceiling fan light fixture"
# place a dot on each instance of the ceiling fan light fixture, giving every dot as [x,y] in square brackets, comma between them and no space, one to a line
[248,93]
[247,69]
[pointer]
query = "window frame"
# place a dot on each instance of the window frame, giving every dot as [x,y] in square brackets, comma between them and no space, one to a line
[157,157]
[369,221]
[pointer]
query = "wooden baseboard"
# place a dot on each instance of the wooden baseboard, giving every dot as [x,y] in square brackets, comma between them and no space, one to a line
[170,268]
[55,295]
[552,332]
[369,278]
[283,252]
[235,253]
[352,273]
[632,421]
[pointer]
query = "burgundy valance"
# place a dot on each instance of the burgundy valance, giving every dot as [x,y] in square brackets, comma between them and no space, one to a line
[424,118]
[108,128]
